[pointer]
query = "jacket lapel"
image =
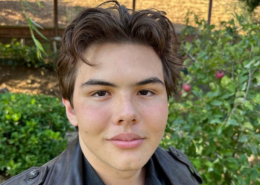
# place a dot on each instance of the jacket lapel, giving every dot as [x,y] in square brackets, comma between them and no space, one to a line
[177,172]
[67,168]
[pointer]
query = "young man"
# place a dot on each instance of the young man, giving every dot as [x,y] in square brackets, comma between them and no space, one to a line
[116,69]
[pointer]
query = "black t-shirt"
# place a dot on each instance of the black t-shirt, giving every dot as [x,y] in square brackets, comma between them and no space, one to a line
[154,175]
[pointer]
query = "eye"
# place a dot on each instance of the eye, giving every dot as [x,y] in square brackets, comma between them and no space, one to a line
[145,93]
[100,93]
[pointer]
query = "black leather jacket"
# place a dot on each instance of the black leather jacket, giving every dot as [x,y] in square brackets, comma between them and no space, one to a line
[66,169]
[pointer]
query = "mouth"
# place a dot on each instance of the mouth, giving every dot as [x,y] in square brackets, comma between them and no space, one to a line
[127,140]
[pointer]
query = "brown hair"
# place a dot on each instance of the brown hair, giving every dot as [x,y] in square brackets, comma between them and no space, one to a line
[117,24]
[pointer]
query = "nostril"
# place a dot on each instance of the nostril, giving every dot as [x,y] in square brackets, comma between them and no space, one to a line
[121,121]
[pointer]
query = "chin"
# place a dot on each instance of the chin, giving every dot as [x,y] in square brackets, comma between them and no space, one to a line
[130,165]
[129,168]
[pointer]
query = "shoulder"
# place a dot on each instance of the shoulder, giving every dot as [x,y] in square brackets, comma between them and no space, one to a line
[32,176]
[177,166]
[41,175]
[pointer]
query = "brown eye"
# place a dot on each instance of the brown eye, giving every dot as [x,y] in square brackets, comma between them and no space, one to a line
[145,93]
[100,93]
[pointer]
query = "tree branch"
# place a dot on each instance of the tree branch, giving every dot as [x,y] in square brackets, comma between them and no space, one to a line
[189,55]
[247,90]
[248,84]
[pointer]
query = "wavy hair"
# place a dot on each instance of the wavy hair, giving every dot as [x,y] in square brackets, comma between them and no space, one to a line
[114,23]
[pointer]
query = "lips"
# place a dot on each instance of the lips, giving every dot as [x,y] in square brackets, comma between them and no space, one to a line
[126,136]
[126,140]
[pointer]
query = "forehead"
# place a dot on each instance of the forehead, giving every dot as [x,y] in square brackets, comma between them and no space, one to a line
[123,60]
[120,53]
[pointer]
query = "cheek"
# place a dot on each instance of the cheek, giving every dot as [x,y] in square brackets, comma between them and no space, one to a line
[92,118]
[158,116]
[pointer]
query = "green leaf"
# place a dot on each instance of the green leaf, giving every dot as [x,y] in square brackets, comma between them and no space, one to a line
[186,62]
[247,125]
[248,105]
[32,27]
[213,94]
[36,24]
[242,79]
[28,5]
[209,164]
[249,64]
[242,138]
[227,95]
[239,100]
[39,4]
[257,63]
[216,103]
[41,34]
[240,94]
[256,99]
[188,46]
[178,120]
[243,159]
[38,44]
[215,121]
[232,122]
[225,81]
[256,50]
[219,129]
[231,163]
[33,101]
[254,174]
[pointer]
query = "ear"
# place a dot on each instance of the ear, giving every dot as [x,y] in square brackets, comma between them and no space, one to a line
[70,112]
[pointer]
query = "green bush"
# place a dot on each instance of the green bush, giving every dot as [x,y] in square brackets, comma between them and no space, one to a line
[251,5]
[217,123]
[15,54]
[32,130]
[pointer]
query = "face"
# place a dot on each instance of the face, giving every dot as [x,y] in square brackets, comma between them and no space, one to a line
[120,105]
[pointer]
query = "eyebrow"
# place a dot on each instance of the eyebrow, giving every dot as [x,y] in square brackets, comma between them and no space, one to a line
[105,83]
[97,82]
[149,80]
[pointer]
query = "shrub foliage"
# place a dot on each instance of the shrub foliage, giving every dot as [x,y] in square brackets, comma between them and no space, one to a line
[217,123]
[251,4]
[18,54]
[32,130]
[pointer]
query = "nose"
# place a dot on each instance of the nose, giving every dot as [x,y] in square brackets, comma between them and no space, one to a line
[125,111]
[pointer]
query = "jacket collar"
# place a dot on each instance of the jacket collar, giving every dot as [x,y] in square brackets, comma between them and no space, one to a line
[68,167]
[177,168]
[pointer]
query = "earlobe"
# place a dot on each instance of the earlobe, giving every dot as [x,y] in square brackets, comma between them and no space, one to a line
[70,112]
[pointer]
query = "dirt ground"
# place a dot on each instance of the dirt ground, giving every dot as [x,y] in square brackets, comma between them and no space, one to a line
[29,80]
